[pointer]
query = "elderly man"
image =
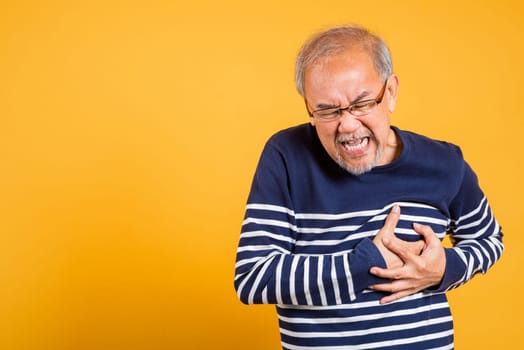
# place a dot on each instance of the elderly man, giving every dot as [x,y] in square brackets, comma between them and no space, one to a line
[346,214]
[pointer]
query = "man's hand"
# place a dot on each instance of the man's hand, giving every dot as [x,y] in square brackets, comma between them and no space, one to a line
[418,272]
[387,234]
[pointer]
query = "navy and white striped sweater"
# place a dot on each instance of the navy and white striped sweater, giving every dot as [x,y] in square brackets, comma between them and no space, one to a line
[306,241]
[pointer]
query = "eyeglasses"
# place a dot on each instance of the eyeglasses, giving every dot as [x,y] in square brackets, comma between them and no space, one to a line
[357,109]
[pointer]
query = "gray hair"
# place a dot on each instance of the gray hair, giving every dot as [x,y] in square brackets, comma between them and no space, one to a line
[337,40]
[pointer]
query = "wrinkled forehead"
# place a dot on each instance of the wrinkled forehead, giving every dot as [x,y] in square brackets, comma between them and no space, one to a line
[356,61]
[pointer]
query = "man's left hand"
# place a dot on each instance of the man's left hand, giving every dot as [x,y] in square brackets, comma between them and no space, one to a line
[418,272]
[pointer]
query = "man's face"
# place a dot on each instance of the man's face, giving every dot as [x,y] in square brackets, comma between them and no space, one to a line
[355,143]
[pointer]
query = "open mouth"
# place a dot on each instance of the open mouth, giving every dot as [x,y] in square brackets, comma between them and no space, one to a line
[355,144]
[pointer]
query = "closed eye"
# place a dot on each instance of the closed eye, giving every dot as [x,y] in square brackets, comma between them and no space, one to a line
[328,111]
[363,104]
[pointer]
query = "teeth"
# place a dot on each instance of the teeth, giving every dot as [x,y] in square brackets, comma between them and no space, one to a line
[355,144]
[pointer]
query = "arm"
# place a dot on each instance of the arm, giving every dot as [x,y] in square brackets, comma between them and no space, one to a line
[477,246]
[475,233]
[267,271]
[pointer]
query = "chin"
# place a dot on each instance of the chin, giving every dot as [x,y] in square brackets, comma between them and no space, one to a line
[358,169]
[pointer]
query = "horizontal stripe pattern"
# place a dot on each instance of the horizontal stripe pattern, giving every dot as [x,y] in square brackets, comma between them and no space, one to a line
[299,261]
[307,241]
[421,321]
[478,241]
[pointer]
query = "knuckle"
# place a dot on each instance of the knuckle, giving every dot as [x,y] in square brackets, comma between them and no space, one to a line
[422,265]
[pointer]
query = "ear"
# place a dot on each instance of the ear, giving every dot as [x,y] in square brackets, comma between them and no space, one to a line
[312,121]
[392,91]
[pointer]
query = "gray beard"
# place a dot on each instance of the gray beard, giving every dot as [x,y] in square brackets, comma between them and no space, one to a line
[359,170]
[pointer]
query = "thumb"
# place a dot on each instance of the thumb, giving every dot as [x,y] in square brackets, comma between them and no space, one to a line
[392,219]
[430,238]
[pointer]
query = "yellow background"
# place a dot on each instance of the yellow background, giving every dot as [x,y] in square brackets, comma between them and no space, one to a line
[130,130]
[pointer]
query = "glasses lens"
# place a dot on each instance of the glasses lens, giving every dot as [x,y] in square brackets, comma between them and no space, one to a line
[362,108]
[327,113]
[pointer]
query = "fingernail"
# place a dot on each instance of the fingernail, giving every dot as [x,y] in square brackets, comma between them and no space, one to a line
[396,209]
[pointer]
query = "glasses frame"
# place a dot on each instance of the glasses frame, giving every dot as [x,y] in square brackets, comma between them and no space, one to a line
[338,112]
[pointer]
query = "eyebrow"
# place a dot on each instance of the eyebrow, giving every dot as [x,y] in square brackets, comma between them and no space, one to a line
[359,98]
[325,106]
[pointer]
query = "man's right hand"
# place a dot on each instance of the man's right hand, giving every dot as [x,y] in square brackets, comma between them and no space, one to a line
[388,232]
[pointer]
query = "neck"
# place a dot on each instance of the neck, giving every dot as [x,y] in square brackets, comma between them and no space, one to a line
[393,148]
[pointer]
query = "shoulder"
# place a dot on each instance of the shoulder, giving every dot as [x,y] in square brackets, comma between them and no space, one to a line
[436,165]
[297,143]
[295,136]
[299,149]
[428,149]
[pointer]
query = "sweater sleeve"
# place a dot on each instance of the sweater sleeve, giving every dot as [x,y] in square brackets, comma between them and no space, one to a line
[268,272]
[475,234]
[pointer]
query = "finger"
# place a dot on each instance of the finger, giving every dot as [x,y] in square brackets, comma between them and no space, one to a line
[427,233]
[395,296]
[406,251]
[392,219]
[391,274]
[393,286]
[424,230]
[397,290]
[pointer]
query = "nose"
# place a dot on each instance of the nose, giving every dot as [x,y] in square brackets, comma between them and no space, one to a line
[348,123]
